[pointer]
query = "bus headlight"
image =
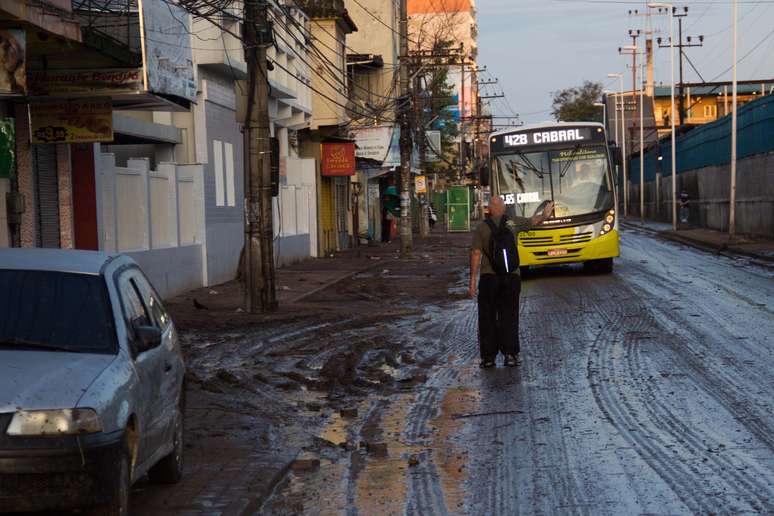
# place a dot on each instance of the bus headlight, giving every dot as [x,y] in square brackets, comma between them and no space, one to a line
[608,223]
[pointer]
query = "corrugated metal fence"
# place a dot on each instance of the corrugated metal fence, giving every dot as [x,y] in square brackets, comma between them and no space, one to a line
[710,144]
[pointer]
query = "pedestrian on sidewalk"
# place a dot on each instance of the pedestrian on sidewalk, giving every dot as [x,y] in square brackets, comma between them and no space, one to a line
[494,252]
[431,216]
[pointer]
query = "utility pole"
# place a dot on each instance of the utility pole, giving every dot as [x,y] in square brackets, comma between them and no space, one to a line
[680,46]
[634,34]
[419,124]
[732,192]
[404,107]
[462,110]
[260,287]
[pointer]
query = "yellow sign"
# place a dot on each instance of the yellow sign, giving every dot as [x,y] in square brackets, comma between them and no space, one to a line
[420,184]
[71,121]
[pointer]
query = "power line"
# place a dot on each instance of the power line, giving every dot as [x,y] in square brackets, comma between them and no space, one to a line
[753,49]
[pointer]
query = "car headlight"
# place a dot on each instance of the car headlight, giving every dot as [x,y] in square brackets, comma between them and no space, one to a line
[54,422]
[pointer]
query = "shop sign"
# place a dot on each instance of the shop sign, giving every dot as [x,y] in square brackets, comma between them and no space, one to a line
[372,142]
[103,81]
[71,121]
[166,40]
[337,159]
[13,49]
[434,153]
[420,184]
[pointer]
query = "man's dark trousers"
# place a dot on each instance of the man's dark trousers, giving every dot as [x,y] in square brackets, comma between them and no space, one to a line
[498,314]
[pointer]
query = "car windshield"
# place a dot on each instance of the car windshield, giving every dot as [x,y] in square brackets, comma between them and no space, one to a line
[55,311]
[576,179]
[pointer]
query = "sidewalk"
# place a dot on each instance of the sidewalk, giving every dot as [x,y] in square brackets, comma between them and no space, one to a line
[709,240]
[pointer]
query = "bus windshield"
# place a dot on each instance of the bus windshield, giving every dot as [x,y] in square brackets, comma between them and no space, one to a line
[577,179]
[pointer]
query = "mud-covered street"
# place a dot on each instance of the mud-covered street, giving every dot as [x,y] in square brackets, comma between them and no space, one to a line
[647,391]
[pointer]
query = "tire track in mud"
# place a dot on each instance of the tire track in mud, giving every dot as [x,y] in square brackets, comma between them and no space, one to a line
[545,351]
[425,494]
[721,382]
[622,415]
[624,326]
[694,442]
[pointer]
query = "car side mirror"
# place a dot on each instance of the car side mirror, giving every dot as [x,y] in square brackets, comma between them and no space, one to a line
[146,338]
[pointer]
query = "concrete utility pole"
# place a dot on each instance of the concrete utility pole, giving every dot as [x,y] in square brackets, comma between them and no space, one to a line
[642,144]
[403,109]
[669,9]
[260,288]
[680,46]
[732,193]
[624,159]
[419,123]
[462,111]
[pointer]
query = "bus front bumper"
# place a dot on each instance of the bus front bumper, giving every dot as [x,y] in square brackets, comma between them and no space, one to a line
[606,246]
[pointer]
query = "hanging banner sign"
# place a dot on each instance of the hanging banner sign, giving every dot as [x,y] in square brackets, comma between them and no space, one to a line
[420,184]
[337,159]
[166,41]
[434,152]
[71,121]
[104,81]
[372,142]
[13,49]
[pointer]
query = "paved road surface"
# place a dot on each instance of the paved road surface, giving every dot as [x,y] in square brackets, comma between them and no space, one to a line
[648,391]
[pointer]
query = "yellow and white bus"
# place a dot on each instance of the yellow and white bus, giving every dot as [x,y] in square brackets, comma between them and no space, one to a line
[570,164]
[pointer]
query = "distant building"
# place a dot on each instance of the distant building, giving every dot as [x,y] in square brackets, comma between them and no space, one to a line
[443,25]
[705,103]
[372,69]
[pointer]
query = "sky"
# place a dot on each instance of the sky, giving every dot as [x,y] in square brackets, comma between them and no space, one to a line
[535,47]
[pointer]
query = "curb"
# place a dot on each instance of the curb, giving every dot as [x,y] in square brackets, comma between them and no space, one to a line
[729,252]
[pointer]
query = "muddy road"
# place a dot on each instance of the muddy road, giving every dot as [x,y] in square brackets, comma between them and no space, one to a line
[648,391]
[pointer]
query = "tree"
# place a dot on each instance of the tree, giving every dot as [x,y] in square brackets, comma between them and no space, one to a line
[576,104]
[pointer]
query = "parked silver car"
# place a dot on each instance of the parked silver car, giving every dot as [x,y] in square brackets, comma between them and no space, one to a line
[91,382]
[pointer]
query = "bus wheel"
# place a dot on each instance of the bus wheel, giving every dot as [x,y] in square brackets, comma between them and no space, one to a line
[603,266]
[525,272]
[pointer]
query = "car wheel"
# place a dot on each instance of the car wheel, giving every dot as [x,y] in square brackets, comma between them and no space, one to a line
[169,470]
[118,505]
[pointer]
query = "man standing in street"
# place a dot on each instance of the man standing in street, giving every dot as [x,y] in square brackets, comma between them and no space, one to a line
[500,284]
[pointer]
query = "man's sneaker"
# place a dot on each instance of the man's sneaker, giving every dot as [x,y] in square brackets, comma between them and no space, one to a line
[486,364]
[512,360]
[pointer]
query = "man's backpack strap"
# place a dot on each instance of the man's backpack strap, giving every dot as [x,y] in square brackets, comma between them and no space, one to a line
[492,230]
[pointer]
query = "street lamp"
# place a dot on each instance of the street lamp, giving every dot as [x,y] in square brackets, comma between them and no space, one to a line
[619,76]
[634,50]
[604,111]
[669,8]
[609,93]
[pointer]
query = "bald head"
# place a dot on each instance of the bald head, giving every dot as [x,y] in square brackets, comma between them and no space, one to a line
[496,206]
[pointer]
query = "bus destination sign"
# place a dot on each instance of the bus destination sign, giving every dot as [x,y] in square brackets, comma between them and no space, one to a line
[547,137]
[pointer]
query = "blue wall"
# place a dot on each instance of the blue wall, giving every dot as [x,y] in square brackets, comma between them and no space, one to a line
[710,144]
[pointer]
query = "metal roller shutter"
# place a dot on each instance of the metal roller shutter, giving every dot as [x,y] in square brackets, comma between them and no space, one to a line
[47,195]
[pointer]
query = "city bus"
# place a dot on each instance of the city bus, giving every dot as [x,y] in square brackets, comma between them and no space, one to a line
[570,164]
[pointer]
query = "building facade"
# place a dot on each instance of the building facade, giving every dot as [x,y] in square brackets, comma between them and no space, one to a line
[330,26]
